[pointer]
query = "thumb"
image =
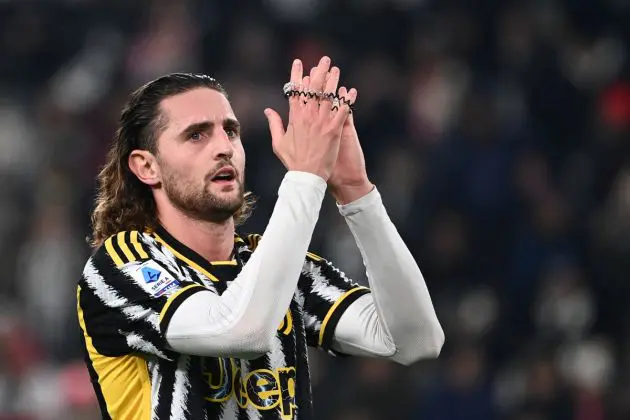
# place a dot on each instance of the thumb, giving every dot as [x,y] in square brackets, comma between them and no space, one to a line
[276,128]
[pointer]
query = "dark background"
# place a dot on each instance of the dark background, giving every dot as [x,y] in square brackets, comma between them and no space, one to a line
[496,131]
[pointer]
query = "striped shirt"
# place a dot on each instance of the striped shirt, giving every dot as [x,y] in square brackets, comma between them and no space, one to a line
[128,292]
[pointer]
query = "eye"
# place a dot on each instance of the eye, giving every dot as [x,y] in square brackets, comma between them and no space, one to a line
[195,136]
[231,132]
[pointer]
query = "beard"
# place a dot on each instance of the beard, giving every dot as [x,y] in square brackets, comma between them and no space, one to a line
[201,203]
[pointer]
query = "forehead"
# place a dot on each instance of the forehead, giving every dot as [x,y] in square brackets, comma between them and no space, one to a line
[196,105]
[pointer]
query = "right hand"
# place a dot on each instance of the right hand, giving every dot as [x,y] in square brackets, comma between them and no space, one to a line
[311,140]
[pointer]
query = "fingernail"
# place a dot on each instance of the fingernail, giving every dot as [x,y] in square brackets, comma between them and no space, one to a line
[325,59]
[296,62]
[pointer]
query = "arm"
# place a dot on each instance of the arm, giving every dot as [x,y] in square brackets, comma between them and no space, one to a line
[141,301]
[397,320]
[241,322]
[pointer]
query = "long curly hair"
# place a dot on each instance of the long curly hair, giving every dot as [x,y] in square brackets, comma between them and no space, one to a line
[122,201]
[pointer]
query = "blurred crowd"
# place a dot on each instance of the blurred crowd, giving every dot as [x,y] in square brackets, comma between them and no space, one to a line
[496,131]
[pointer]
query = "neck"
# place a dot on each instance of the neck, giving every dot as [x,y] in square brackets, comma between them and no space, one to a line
[213,241]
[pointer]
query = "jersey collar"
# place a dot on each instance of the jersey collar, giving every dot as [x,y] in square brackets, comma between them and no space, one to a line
[184,253]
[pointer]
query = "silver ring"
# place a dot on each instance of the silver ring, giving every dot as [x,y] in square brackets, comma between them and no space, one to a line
[313,94]
[288,87]
[335,103]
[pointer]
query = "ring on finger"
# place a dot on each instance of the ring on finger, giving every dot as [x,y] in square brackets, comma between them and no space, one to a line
[312,94]
[327,96]
[290,88]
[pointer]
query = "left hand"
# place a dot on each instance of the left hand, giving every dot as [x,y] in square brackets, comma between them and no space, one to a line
[349,180]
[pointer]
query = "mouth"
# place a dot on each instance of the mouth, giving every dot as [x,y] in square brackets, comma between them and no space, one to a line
[226,174]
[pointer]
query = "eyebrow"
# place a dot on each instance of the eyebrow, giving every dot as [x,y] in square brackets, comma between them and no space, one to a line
[205,126]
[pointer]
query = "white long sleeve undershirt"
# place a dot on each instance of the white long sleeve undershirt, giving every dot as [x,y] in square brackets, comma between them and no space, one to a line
[397,320]
[242,321]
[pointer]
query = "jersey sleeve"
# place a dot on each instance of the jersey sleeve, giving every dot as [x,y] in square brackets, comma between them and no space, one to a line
[127,294]
[327,294]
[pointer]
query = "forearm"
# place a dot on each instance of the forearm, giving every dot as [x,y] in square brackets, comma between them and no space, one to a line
[242,321]
[402,304]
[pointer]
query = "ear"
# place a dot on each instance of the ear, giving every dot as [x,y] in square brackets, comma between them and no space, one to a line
[144,165]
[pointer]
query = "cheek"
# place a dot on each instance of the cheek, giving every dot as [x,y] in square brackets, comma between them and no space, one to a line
[239,158]
[177,175]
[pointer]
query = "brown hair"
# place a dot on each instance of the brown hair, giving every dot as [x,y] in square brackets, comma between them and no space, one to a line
[123,202]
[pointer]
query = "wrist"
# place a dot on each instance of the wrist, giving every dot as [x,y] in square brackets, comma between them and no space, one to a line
[347,193]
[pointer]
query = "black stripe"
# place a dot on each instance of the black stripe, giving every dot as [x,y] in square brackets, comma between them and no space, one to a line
[94,379]
[167,388]
[179,299]
[303,392]
[242,412]
[199,407]
[90,367]
[336,315]
[296,355]
[102,325]
[118,249]
[317,305]
[225,274]
[127,239]
[253,240]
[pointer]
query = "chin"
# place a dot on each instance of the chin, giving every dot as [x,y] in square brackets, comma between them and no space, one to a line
[233,198]
[228,196]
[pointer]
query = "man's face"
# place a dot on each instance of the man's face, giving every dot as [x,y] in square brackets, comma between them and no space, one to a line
[200,155]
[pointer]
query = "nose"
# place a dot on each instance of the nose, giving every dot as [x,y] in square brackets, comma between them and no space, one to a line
[225,148]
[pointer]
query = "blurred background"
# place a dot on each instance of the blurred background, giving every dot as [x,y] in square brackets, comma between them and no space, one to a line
[497,132]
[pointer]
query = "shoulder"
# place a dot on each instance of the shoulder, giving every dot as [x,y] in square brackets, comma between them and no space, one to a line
[123,248]
[128,259]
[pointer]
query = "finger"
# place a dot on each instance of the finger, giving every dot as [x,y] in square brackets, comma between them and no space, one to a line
[318,76]
[304,99]
[352,98]
[296,78]
[296,71]
[332,80]
[276,127]
[313,103]
[341,94]
[344,110]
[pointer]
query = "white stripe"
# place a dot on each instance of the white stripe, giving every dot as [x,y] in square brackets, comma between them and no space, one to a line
[156,383]
[136,342]
[322,286]
[311,322]
[110,297]
[276,355]
[252,412]
[230,409]
[180,394]
[161,253]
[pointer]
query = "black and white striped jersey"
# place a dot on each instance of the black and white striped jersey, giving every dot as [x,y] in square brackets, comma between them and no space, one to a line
[129,291]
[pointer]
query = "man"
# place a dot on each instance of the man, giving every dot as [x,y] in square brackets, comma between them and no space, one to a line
[184,319]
